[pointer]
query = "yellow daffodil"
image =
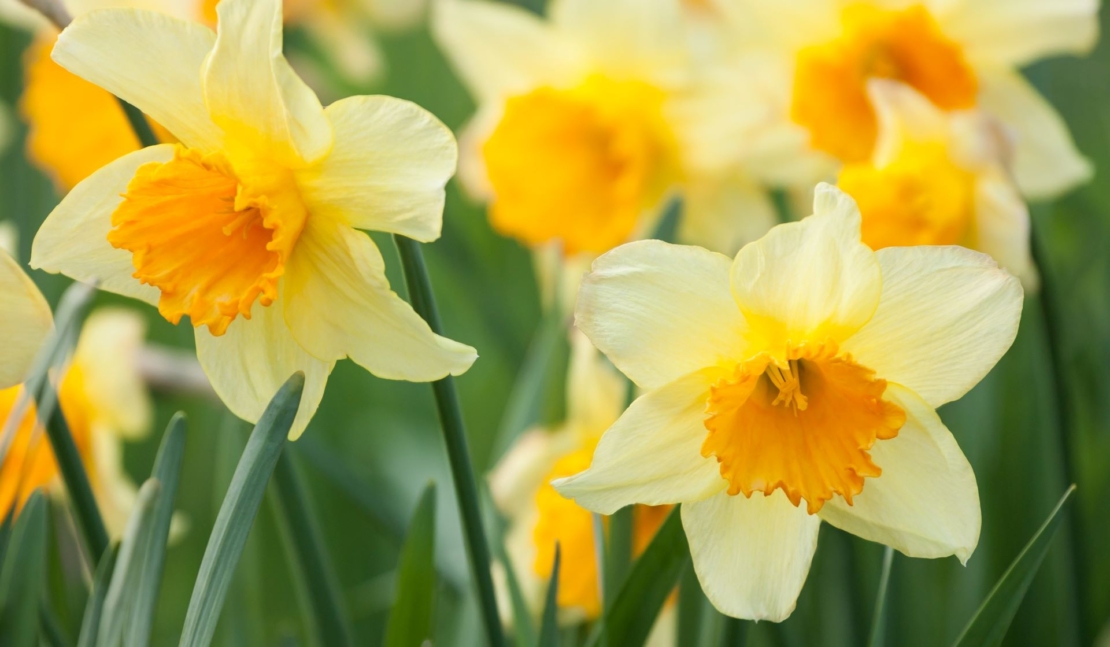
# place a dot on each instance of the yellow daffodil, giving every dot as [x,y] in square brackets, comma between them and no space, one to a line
[794,384]
[938,178]
[959,54]
[590,120]
[25,320]
[250,226]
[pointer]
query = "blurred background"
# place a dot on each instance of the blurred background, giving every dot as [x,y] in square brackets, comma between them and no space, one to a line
[375,444]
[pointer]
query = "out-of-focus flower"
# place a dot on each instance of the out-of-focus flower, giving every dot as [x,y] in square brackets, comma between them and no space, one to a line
[959,54]
[591,120]
[25,320]
[807,369]
[939,178]
[248,226]
[539,517]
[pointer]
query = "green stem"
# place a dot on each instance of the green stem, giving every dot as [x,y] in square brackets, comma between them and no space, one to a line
[878,619]
[313,559]
[139,124]
[733,633]
[454,435]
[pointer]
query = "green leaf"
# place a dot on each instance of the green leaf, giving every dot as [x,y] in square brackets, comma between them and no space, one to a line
[618,552]
[629,621]
[878,621]
[236,516]
[988,626]
[549,627]
[21,580]
[666,229]
[6,533]
[53,634]
[523,627]
[120,599]
[167,470]
[410,621]
[90,623]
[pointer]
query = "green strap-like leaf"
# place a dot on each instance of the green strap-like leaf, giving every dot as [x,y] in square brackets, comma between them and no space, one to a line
[549,627]
[523,627]
[878,621]
[90,623]
[22,575]
[989,624]
[410,621]
[120,599]
[236,516]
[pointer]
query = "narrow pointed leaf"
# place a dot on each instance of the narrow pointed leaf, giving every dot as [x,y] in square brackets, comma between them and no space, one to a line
[878,622]
[22,576]
[410,621]
[90,623]
[121,596]
[237,513]
[549,627]
[988,626]
[52,632]
[523,627]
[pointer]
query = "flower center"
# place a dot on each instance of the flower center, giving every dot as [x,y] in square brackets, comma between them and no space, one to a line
[804,427]
[580,165]
[830,80]
[210,243]
[921,198]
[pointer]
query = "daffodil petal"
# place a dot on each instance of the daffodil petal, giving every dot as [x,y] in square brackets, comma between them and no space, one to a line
[596,393]
[751,556]
[1002,227]
[74,239]
[25,321]
[634,37]
[723,215]
[114,490]
[476,35]
[253,93]
[947,316]
[108,356]
[812,279]
[387,170]
[522,470]
[926,502]
[660,311]
[1013,33]
[1046,162]
[249,363]
[652,454]
[339,304]
[164,81]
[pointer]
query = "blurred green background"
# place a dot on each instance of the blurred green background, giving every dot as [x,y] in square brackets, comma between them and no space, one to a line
[375,444]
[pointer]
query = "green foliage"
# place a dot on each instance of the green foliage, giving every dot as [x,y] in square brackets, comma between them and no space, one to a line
[21,576]
[549,626]
[410,621]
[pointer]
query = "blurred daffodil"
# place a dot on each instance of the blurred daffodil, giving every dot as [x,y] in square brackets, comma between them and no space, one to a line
[591,120]
[539,517]
[794,384]
[939,178]
[25,318]
[250,226]
[959,54]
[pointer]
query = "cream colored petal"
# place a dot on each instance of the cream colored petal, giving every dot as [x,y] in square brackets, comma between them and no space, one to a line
[1014,33]
[782,25]
[660,311]
[724,214]
[108,357]
[395,14]
[638,38]
[596,393]
[1045,162]
[499,50]
[387,170]
[904,115]
[926,502]
[253,359]
[946,317]
[339,304]
[9,238]
[115,491]
[518,475]
[1002,227]
[811,280]
[74,239]
[149,59]
[25,321]
[253,93]
[752,556]
[652,454]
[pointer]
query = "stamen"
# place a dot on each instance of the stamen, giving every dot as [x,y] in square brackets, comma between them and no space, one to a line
[789,384]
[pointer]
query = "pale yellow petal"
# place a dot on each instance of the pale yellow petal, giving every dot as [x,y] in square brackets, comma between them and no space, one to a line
[637,38]
[338,303]
[108,357]
[660,311]
[926,502]
[724,214]
[1014,33]
[652,454]
[751,556]
[1045,162]
[903,114]
[513,482]
[1002,227]
[387,170]
[114,488]
[812,280]
[249,363]
[25,321]
[253,93]
[149,59]
[74,239]
[596,393]
[947,316]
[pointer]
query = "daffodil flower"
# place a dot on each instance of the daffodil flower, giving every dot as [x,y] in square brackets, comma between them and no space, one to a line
[939,178]
[959,54]
[795,384]
[250,226]
[25,320]
[591,120]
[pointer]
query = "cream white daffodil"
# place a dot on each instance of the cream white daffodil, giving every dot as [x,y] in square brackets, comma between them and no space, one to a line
[250,226]
[25,320]
[939,178]
[795,384]
[959,54]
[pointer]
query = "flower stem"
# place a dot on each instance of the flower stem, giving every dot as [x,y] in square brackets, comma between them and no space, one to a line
[878,621]
[454,435]
[139,124]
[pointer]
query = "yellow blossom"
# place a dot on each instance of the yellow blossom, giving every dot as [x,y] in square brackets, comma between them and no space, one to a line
[250,225]
[25,320]
[794,384]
